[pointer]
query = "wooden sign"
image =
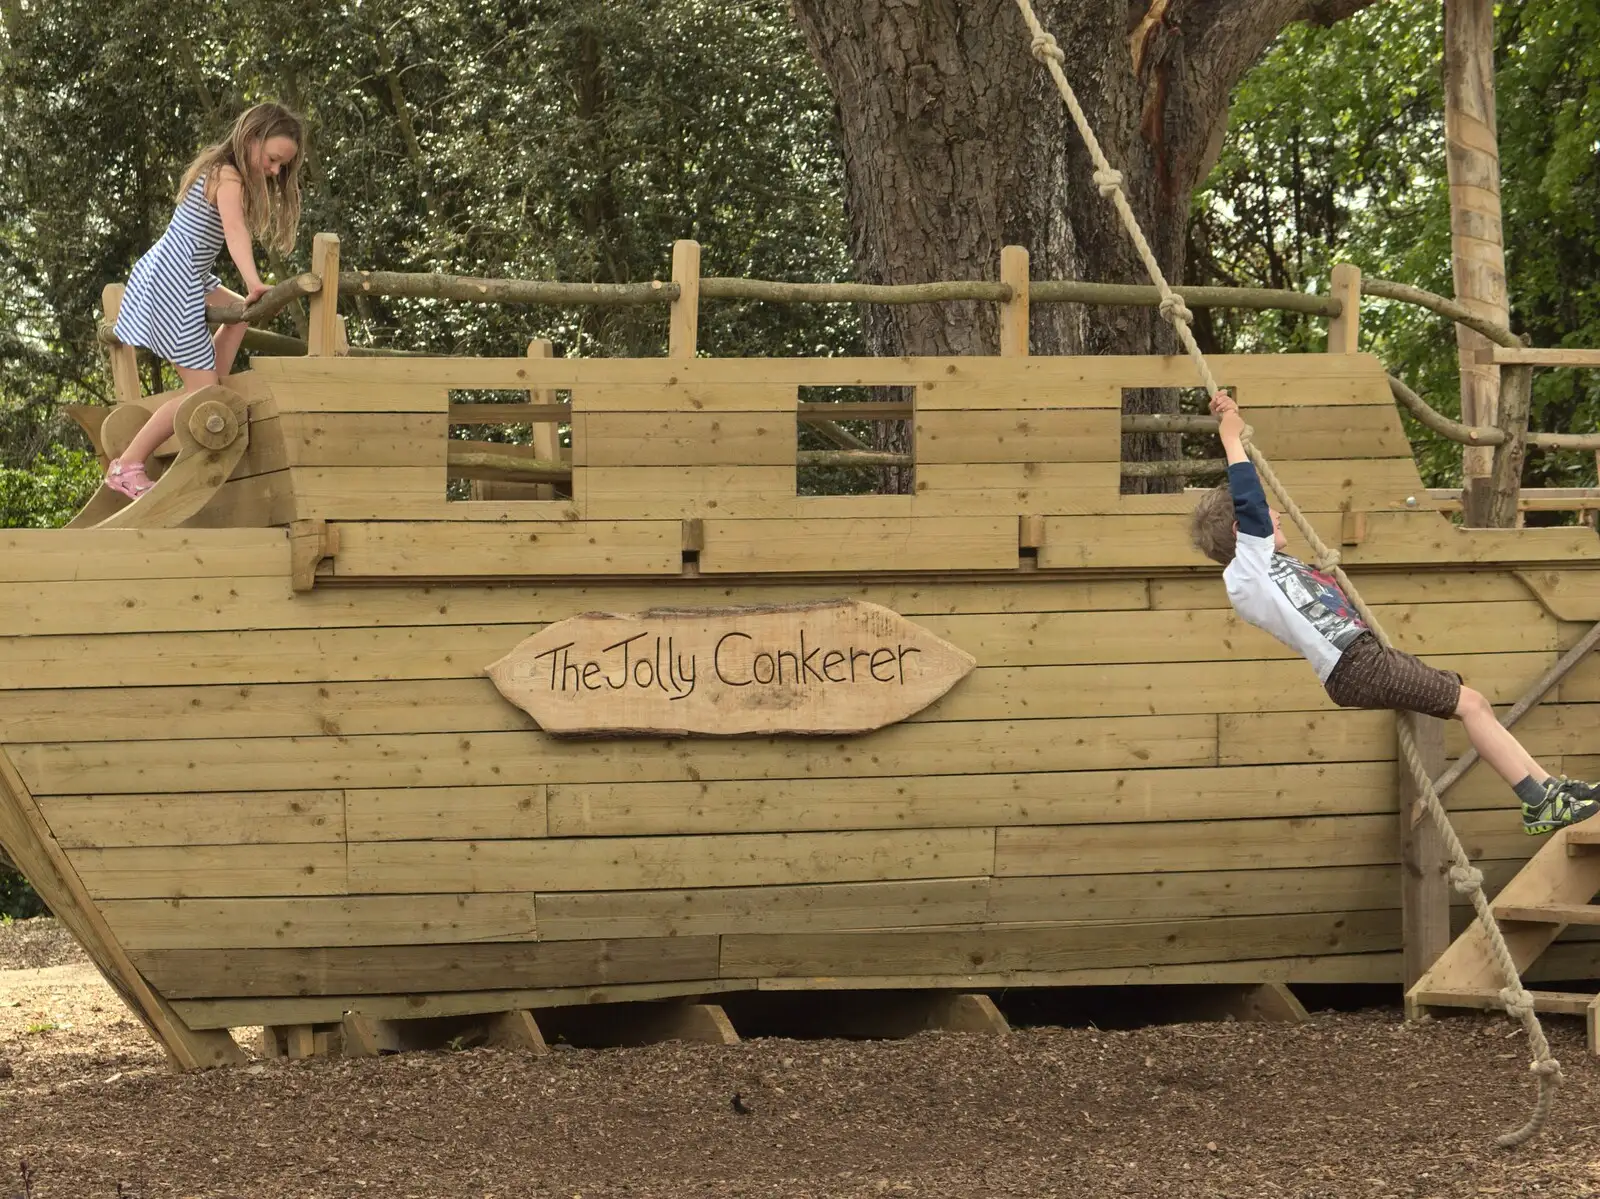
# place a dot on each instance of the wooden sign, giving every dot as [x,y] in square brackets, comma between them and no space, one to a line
[841,666]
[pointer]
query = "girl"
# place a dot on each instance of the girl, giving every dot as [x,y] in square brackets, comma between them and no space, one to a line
[248,185]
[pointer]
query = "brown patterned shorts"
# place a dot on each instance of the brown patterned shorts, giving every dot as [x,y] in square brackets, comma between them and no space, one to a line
[1369,676]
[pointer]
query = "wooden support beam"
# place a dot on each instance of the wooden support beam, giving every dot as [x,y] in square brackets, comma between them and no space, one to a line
[1490,502]
[365,1036]
[1424,885]
[1255,1003]
[963,1011]
[1344,330]
[1472,158]
[1537,356]
[1014,312]
[323,334]
[1591,1024]
[683,331]
[516,1030]
[546,433]
[311,543]
[608,1025]
[124,359]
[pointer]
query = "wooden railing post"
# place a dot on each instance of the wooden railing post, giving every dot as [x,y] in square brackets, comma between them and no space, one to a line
[1424,888]
[546,434]
[124,359]
[1491,503]
[684,330]
[1344,330]
[322,336]
[1014,312]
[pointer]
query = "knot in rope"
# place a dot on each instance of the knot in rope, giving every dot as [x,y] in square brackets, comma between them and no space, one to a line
[1518,1003]
[1109,181]
[1466,879]
[1045,47]
[1548,1068]
[1174,309]
[1328,559]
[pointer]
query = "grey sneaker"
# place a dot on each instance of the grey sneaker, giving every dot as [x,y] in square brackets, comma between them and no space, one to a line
[1563,804]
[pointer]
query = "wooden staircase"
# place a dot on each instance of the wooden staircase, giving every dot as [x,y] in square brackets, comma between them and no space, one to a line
[1552,891]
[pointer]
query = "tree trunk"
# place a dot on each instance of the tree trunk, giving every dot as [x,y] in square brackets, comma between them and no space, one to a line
[956,144]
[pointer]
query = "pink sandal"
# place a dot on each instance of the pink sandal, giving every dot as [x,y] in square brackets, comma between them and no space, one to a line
[128,479]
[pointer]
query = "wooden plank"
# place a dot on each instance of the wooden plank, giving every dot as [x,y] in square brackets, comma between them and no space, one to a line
[959,953]
[683,492]
[1537,356]
[1019,488]
[50,555]
[35,852]
[1319,968]
[1550,913]
[516,1030]
[445,813]
[586,915]
[285,923]
[531,548]
[234,818]
[627,863]
[1343,432]
[1428,586]
[1279,378]
[191,974]
[1567,594]
[262,501]
[242,1013]
[1039,435]
[1205,793]
[618,439]
[313,439]
[512,759]
[197,871]
[1424,888]
[1136,540]
[951,543]
[409,493]
[1193,894]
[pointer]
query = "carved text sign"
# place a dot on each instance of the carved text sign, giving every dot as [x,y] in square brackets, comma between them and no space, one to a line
[842,666]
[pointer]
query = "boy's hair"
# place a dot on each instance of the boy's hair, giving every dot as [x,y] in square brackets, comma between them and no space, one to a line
[271,205]
[1211,528]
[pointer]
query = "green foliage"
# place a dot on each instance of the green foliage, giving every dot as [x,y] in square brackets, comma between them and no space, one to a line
[48,494]
[18,901]
[1336,152]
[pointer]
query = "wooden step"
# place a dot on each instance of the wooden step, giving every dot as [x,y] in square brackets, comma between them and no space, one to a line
[1550,913]
[1561,1003]
[1587,833]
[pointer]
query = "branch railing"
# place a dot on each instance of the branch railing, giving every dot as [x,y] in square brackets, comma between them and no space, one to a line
[1015,292]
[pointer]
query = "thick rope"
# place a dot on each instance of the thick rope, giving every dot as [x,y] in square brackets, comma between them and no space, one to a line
[1466,878]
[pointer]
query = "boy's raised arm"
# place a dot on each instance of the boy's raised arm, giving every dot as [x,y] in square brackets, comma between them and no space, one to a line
[1249,501]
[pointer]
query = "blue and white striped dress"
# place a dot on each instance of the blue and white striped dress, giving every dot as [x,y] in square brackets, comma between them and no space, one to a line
[164,307]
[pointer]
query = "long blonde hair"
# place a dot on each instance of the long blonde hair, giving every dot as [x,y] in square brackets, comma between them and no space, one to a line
[271,205]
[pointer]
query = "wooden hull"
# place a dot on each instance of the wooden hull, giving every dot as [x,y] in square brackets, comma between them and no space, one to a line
[278,806]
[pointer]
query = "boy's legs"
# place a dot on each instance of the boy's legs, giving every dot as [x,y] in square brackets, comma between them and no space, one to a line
[1494,742]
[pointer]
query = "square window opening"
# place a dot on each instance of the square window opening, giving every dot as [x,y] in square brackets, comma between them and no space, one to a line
[1162,451]
[855,441]
[505,446]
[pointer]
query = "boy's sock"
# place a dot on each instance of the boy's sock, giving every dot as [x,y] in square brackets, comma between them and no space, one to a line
[1530,792]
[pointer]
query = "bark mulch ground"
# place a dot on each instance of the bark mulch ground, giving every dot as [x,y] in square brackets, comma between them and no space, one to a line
[1350,1106]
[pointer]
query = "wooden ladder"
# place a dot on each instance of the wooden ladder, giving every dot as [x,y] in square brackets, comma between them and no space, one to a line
[1552,891]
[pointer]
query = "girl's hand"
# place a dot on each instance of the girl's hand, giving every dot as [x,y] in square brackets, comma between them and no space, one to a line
[254,292]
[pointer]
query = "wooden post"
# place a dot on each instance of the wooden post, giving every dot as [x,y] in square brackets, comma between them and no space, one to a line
[1014,313]
[546,434]
[322,337]
[1476,241]
[1344,330]
[684,330]
[1424,888]
[124,359]
[1492,503]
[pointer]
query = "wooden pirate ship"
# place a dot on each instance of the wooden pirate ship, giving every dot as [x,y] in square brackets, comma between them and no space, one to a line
[251,753]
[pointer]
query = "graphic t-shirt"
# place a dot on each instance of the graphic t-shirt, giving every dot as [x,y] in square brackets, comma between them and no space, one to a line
[1302,607]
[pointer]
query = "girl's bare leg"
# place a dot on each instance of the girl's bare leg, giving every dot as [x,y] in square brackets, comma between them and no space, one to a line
[159,427]
[228,337]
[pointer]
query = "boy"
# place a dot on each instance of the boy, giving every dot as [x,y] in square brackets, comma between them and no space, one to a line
[1306,610]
